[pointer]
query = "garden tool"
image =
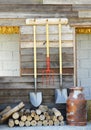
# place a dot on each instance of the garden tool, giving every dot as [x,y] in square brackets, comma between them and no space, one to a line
[35,97]
[60,94]
[48,72]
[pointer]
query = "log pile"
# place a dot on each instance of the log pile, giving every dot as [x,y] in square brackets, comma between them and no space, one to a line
[42,116]
[8,111]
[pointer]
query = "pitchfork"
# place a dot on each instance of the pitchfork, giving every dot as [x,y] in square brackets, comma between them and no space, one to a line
[48,72]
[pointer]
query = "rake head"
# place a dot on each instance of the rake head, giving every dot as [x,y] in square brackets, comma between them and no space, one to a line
[48,74]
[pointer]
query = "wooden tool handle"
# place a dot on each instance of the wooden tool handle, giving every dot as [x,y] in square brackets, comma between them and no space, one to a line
[35,64]
[47,39]
[60,52]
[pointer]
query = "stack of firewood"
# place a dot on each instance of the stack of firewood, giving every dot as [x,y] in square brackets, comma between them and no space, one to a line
[41,116]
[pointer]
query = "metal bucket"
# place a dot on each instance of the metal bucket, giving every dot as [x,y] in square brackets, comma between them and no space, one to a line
[76,107]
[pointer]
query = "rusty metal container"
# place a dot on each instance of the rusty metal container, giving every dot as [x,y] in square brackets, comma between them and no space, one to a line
[76,107]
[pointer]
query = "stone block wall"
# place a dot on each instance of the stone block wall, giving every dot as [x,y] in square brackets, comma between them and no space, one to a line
[9,55]
[84,62]
[66,2]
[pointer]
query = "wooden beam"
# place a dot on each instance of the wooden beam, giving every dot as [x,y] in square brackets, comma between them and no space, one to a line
[21,1]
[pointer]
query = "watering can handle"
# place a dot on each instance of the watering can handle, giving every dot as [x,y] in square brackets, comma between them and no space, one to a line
[60,54]
[35,64]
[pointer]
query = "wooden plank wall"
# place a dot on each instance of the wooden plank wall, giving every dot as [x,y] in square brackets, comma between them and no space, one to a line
[21,1]
[16,89]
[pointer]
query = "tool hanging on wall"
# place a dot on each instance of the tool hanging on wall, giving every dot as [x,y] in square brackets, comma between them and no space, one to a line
[60,94]
[49,72]
[35,97]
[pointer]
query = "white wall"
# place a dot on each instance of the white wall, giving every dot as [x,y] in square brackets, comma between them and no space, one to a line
[83,42]
[66,1]
[9,55]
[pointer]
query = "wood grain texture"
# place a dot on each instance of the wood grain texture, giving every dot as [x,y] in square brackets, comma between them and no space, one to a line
[21,1]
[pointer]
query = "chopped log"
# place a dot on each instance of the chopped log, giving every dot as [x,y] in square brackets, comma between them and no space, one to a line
[56,122]
[22,111]
[11,123]
[51,113]
[56,112]
[27,123]
[8,108]
[29,118]
[54,118]
[27,112]
[15,115]
[45,122]
[50,122]
[23,118]
[36,117]
[33,123]
[39,123]
[33,113]
[42,117]
[47,116]
[38,111]
[60,118]
[21,123]
[10,112]
[61,123]
[16,122]
[43,108]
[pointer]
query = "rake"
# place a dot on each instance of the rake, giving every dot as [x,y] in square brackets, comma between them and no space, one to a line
[48,72]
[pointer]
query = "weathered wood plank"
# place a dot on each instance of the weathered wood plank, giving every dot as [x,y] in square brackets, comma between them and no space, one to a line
[53,64]
[29,37]
[42,58]
[21,1]
[27,58]
[80,22]
[33,8]
[67,82]
[42,51]
[53,29]
[13,93]
[13,100]
[38,14]
[41,45]
[66,71]
[13,22]
[81,7]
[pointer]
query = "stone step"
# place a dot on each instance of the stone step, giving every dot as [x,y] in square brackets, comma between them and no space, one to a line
[65,127]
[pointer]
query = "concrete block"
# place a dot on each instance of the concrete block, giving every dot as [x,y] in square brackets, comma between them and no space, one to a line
[86,82]
[11,65]
[87,93]
[85,63]
[89,73]
[16,56]
[82,37]
[66,2]
[1,66]
[16,73]
[9,38]
[89,37]
[5,55]
[82,73]
[10,46]
[83,54]
[0,46]
[85,44]
[6,73]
